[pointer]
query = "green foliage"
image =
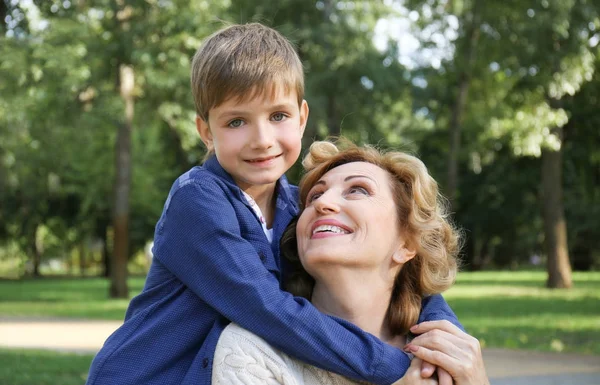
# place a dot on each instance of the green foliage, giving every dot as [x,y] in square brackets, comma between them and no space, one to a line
[62,110]
[531,61]
[535,67]
[582,172]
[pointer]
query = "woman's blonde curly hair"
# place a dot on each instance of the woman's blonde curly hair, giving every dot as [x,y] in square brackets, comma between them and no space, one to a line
[422,218]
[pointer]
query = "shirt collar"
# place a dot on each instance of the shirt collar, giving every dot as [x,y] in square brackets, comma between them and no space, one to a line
[285,197]
[213,165]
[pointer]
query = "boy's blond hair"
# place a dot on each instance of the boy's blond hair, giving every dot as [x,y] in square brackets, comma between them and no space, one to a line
[244,61]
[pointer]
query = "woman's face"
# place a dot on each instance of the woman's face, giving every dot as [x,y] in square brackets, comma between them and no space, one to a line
[350,220]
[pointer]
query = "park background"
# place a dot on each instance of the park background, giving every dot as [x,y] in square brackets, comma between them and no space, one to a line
[501,100]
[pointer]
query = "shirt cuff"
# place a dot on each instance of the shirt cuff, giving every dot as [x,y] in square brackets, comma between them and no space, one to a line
[392,366]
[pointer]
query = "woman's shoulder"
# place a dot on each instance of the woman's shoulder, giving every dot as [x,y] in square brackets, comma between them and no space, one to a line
[234,337]
[242,357]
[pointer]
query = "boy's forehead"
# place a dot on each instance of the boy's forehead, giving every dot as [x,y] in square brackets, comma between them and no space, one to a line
[274,93]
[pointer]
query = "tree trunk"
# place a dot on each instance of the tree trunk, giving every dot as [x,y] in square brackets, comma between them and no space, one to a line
[555,225]
[118,288]
[3,14]
[106,261]
[456,119]
[81,250]
[37,258]
[101,232]
[38,251]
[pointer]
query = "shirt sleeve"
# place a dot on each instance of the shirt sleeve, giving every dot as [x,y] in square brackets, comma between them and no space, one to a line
[435,308]
[199,242]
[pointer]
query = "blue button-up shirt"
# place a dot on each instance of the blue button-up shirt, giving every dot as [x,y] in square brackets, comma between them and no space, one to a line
[212,264]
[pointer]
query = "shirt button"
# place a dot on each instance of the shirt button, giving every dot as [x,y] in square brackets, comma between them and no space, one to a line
[205,362]
[262,256]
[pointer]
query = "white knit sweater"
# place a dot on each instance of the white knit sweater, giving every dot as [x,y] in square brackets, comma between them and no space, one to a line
[243,358]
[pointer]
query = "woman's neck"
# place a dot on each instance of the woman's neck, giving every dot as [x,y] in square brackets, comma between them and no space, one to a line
[359,297]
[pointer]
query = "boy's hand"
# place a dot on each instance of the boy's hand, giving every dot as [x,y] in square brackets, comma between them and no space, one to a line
[413,375]
[443,377]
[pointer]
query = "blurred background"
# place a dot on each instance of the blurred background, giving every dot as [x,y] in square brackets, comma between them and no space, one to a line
[501,100]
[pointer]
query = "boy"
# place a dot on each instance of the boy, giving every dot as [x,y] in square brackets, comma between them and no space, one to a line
[216,245]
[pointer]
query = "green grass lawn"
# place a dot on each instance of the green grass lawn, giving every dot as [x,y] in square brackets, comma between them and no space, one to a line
[514,310]
[503,309]
[37,367]
[64,297]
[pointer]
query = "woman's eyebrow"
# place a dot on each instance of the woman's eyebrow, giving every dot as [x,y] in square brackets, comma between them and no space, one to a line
[350,177]
[346,179]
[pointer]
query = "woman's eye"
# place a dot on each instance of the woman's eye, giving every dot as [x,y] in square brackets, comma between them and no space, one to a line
[235,123]
[358,190]
[278,117]
[314,196]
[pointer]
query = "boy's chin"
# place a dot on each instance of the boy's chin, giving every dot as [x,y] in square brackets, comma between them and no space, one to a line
[249,183]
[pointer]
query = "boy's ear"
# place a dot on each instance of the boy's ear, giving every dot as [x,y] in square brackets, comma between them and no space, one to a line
[204,132]
[303,116]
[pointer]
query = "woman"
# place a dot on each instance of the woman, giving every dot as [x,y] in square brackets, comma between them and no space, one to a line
[371,241]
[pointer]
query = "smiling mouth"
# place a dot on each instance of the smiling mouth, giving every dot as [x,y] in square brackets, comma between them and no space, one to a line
[330,229]
[261,160]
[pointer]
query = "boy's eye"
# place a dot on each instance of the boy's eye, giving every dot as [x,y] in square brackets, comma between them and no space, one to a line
[278,117]
[235,123]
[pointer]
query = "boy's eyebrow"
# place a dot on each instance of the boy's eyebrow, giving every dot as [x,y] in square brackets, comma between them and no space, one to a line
[231,113]
[283,106]
[238,112]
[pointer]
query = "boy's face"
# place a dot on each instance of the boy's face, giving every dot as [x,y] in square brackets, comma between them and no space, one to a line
[258,140]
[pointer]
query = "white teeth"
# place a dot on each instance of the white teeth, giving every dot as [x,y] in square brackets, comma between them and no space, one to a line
[329,228]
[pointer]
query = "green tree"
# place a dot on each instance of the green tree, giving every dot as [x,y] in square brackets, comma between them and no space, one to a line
[528,58]
[75,86]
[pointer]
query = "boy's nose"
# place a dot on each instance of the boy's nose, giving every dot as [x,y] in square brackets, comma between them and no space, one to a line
[264,137]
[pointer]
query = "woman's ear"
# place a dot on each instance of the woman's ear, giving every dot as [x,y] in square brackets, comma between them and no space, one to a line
[404,253]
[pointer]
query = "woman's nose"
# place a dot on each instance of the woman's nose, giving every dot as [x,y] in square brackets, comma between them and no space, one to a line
[326,204]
